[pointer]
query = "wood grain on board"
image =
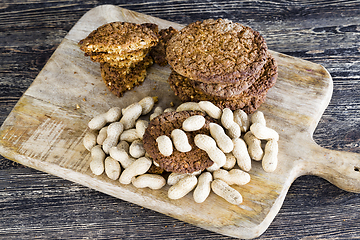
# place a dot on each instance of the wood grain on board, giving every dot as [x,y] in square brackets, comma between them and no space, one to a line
[45,131]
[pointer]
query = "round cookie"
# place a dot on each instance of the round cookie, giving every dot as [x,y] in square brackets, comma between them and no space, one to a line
[134,56]
[158,52]
[180,162]
[217,51]
[119,80]
[119,37]
[249,100]
[225,90]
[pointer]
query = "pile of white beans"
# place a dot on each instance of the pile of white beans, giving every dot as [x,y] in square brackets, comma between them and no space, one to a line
[114,140]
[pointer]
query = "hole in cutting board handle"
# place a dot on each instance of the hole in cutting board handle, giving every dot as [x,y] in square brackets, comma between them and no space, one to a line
[356,169]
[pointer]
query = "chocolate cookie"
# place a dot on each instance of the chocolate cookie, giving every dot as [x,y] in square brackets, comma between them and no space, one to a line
[119,38]
[249,100]
[119,80]
[158,52]
[217,51]
[180,162]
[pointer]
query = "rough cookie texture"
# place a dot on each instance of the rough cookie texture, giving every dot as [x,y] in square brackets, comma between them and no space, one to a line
[180,162]
[122,49]
[134,56]
[119,80]
[158,52]
[249,100]
[119,37]
[217,51]
[225,90]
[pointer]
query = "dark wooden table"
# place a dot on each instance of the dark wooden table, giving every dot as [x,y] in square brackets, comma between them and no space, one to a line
[35,205]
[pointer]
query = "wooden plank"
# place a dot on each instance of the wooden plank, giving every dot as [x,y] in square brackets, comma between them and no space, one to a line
[49,115]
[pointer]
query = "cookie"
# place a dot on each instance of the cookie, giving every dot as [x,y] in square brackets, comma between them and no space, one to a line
[119,38]
[225,91]
[249,100]
[180,162]
[134,56]
[119,80]
[217,51]
[158,52]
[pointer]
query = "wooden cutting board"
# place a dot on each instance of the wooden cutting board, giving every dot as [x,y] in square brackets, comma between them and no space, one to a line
[46,127]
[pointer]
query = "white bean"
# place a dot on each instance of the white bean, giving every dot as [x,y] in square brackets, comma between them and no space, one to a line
[98,122]
[264,133]
[193,123]
[208,144]
[130,116]
[242,119]
[114,131]
[227,120]
[140,166]
[147,104]
[164,145]
[270,159]
[230,161]
[254,146]
[89,140]
[182,187]
[223,141]
[157,112]
[174,177]
[241,153]
[129,135]
[189,106]
[234,176]
[258,117]
[140,127]
[122,156]
[102,136]
[180,140]
[147,180]
[136,149]
[97,160]
[223,190]
[211,109]
[112,168]
[203,187]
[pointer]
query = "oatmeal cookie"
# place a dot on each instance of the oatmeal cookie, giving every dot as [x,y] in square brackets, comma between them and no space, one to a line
[249,100]
[158,52]
[231,90]
[217,51]
[134,56]
[119,38]
[180,162]
[119,80]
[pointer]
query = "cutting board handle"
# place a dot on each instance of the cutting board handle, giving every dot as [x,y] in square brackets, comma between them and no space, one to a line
[338,167]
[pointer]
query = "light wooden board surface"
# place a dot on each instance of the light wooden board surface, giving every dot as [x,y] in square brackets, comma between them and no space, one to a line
[45,131]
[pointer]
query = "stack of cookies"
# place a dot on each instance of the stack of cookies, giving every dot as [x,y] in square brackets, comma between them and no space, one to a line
[122,49]
[222,62]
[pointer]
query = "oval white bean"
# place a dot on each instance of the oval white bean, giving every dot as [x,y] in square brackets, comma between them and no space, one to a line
[203,187]
[147,180]
[180,140]
[112,168]
[223,190]
[97,160]
[182,187]
[241,154]
[193,123]
[140,166]
[164,145]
